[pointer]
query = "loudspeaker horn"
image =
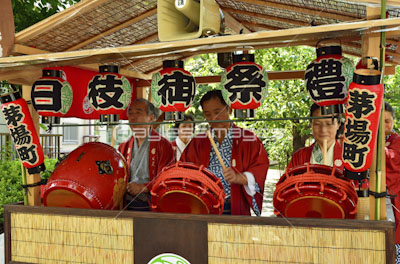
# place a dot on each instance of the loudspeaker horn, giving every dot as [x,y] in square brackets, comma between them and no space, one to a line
[187,19]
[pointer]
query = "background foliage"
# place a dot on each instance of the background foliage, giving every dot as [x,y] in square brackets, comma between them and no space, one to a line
[29,12]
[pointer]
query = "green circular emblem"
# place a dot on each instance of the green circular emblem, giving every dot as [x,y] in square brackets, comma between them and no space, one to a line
[168,258]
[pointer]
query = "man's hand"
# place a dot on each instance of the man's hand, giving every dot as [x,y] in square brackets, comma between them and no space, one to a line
[133,188]
[232,177]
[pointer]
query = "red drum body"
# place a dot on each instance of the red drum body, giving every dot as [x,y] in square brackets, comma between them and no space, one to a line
[315,191]
[92,176]
[187,188]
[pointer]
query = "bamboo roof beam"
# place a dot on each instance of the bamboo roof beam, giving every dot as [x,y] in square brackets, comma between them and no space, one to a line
[55,20]
[234,24]
[300,10]
[114,29]
[262,16]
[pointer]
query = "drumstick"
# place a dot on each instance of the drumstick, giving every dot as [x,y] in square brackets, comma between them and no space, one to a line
[324,151]
[216,149]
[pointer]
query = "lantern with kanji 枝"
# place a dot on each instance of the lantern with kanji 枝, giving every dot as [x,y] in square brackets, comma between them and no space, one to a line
[245,85]
[328,78]
[109,93]
[52,96]
[173,89]
[363,112]
[20,124]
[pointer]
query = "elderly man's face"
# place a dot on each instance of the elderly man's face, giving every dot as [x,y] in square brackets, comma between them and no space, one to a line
[324,129]
[213,109]
[137,113]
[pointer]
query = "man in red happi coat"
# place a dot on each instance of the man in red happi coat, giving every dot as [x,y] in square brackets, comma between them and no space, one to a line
[243,154]
[146,153]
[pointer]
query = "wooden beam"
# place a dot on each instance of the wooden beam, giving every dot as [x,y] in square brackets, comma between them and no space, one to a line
[378,2]
[21,49]
[7,28]
[263,26]
[233,24]
[33,192]
[203,45]
[114,29]
[307,11]
[267,17]
[55,20]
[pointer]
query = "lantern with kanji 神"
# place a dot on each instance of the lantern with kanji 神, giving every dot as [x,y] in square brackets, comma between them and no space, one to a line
[363,111]
[328,78]
[20,124]
[109,93]
[173,89]
[245,85]
[52,96]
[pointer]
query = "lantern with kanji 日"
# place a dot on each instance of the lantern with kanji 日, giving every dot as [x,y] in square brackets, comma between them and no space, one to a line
[20,125]
[328,78]
[109,93]
[52,96]
[173,89]
[363,112]
[245,85]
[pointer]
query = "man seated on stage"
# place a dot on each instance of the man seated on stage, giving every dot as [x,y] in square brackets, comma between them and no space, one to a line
[146,152]
[243,154]
[322,130]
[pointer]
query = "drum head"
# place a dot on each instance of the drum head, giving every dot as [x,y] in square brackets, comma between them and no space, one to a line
[182,202]
[314,207]
[65,198]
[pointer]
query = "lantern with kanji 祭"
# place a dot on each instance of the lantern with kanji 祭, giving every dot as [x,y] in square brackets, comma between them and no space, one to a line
[173,89]
[109,93]
[328,78]
[20,125]
[245,85]
[52,96]
[363,112]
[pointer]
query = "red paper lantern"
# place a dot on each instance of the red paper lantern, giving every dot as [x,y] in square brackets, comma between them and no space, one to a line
[173,89]
[20,124]
[328,78]
[362,119]
[52,96]
[245,85]
[109,92]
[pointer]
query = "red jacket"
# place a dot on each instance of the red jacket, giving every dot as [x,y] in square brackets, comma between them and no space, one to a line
[248,154]
[303,156]
[160,155]
[392,151]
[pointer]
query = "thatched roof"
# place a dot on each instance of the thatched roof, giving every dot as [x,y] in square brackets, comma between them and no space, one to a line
[129,29]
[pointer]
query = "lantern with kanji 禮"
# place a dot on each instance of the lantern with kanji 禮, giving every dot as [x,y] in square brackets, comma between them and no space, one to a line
[20,124]
[173,89]
[363,112]
[328,78]
[245,85]
[52,96]
[109,93]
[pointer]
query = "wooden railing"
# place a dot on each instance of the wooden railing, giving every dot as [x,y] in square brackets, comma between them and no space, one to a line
[51,144]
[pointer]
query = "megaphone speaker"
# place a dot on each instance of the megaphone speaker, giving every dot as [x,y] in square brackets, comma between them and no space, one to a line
[186,19]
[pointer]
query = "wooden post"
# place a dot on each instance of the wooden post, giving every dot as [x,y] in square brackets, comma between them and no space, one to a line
[34,192]
[370,47]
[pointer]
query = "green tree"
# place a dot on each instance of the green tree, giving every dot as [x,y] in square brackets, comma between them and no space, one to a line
[29,12]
